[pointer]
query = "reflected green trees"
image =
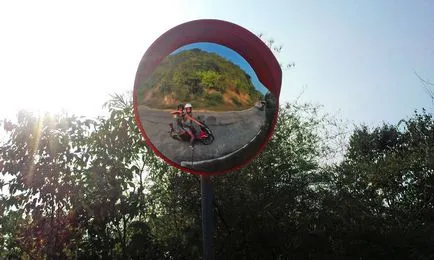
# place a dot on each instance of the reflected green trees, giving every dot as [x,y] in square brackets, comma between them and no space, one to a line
[208,80]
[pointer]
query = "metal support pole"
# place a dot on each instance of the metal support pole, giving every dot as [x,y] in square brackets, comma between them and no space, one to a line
[207,218]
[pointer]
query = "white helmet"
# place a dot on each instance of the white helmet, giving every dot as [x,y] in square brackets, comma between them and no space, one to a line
[188,105]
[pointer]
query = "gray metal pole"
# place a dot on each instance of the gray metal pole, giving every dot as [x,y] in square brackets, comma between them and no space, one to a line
[207,218]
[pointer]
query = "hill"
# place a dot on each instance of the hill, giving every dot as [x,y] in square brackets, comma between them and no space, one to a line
[206,80]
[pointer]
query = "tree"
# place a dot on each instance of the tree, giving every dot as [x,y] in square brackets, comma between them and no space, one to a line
[255,207]
[73,185]
[39,161]
[100,192]
[382,193]
[84,188]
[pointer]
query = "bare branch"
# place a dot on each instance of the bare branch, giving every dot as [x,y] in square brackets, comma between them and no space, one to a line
[276,49]
[427,86]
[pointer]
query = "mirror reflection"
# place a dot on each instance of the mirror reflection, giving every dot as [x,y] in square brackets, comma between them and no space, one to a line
[204,108]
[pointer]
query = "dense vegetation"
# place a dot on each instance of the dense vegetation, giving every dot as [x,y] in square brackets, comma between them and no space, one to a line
[82,188]
[204,79]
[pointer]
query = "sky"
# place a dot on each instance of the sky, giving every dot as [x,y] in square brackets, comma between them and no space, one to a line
[230,55]
[356,58]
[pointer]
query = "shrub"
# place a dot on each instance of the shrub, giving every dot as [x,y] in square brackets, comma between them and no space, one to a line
[214,99]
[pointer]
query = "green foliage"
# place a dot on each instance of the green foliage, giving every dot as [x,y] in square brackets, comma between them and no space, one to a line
[193,75]
[76,185]
[214,99]
[211,80]
[81,188]
[236,101]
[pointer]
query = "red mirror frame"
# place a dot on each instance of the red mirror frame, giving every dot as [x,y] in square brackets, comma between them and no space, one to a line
[235,37]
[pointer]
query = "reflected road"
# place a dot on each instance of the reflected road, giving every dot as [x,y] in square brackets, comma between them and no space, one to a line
[232,130]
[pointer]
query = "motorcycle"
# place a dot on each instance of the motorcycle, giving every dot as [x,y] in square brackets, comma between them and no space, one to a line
[205,135]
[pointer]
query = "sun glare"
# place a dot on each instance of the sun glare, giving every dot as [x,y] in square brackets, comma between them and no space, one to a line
[53,62]
[41,100]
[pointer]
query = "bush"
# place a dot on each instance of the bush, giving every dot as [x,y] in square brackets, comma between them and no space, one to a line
[214,99]
[236,102]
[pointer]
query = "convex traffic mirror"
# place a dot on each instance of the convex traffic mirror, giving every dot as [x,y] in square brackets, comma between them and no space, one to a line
[203,106]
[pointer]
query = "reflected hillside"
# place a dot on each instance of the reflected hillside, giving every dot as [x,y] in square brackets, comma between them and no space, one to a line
[206,80]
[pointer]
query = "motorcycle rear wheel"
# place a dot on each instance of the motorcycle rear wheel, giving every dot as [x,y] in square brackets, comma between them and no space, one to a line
[208,140]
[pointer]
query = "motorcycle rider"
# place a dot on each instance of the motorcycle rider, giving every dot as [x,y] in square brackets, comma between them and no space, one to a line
[187,122]
[177,118]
